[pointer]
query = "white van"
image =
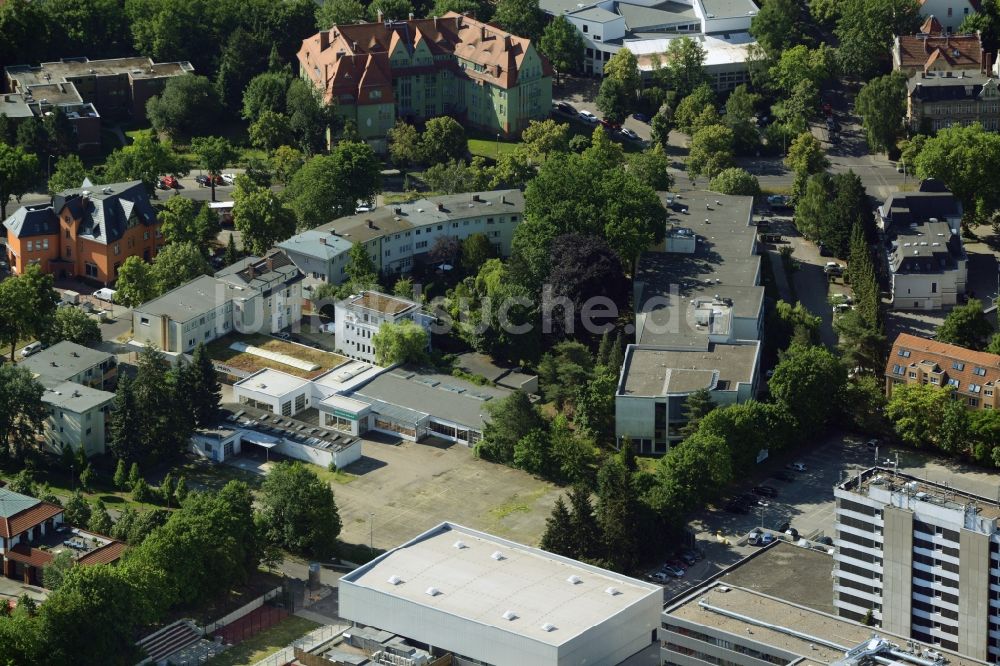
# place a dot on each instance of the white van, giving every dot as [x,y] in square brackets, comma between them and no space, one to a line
[105,294]
[30,349]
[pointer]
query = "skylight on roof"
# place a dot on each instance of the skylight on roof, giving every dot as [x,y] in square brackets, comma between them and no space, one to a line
[498,556]
[432,591]
[574,580]
[509,615]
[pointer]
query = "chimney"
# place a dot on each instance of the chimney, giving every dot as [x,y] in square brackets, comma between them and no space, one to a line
[371,225]
[354,47]
[379,15]
[322,240]
[506,42]
[503,198]
[482,33]
[270,263]
[435,22]
[250,272]
[476,197]
[324,40]
[411,16]
[440,206]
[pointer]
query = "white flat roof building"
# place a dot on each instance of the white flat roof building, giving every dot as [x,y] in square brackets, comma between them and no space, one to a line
[482,597]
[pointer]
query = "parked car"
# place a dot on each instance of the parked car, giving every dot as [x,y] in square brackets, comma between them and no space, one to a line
[659,577]
[563,107]
[283,335]
[766,538]
[105,294]
[778,200]
[587,117]
[841,308]
[629,134]
[793,533]
[676,572]
[755,538]
[229,178]
[765,491]
[161,184]
[641,117]
[171,182]
[825,540]
[824,251]
[833,268]
[678,564]
[31,348]
[688,557]
[203,180]
[796,467]
[782,526]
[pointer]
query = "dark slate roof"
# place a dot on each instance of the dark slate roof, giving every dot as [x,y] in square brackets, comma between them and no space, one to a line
[105,211]
[28,221]
[944,88]
[904,208]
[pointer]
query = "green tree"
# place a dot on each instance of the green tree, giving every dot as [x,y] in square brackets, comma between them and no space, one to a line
[145,159]
[405,342]
[696,407]
[684,66]
[659,130]
[100,520]
[77,511]
[23,483]
[177,264]
[270,130]
[54,572]
[307,116]
[614,100]
[523,18]
[22,412]
[711,151]
[241,56]
[339,12]
[232,254]
[799,63]
[393,10]
[966,326]
[741,118]
[330,186]
[18,171]
[298,511]
[794,112]
[206,391]
[651,168]
[86,477]
[73,325]
[586,532]
[810,382]
[262,219]
[963,157]
[736,181]
[778,25]
[133,474]
[805,158]
[119,478]
[509,420]
[866,30]
[404,145]
[443,139]
[565,370]
[616,511]
[68,174]
[188,105]
[475,251]
[214,154]
[595,405]
[135,284]
[692,106]
[563,45]
[27,305]
[360,265]
[881,104]
[265,92]
[862,343]
[558,537]
[181,489]
[533,453]
[917,412]
[177,221]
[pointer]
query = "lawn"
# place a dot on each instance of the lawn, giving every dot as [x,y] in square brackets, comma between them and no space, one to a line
[219,351]
[488,147]
[236,135]
[265,643]
[201,474]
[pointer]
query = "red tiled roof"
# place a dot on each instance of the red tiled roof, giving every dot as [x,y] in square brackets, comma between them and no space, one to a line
[958,51]
[354,59]
[28,555]
[932,26]
[104,554]
[25,520]
[918,350]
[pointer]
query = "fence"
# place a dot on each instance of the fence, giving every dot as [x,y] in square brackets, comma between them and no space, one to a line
[310,641]
[240,612]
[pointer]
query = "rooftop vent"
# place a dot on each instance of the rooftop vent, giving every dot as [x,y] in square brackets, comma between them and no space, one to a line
[394,580]
[548,626]
[498,556]
[574,580]
[432,591]
[509,615]
[613,591]
[459,545]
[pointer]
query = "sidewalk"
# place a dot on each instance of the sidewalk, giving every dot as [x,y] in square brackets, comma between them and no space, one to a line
[780,279]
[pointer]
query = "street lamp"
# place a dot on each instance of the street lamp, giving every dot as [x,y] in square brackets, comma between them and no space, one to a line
[371,533]
[48,167]
[498,146]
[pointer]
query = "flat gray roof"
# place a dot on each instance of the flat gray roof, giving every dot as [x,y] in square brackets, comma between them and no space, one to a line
[64,360]
[793,573]
[385,220]
[556,7]
[729,8]
[317,244]
[654,372]
[201,295]
[74,397]
[13,105]
[638,17]
[442,396]
[68,68]
[596,14]
[479,577]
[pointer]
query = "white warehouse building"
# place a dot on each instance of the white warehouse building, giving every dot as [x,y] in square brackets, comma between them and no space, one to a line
[487,600]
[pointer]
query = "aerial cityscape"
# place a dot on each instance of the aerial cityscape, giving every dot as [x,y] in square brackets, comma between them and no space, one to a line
[500,333]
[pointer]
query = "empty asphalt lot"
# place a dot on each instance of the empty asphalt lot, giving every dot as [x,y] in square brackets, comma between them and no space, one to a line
[411,487]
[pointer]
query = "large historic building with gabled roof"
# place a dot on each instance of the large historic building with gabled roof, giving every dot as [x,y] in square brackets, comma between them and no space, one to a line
[376,73]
